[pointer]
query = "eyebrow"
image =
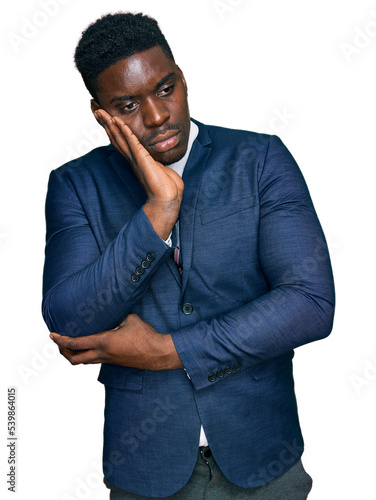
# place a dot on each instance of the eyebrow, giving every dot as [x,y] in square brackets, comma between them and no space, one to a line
[157,85]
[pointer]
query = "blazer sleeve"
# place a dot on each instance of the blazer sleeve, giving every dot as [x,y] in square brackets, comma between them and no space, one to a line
[294,259]
[85,291]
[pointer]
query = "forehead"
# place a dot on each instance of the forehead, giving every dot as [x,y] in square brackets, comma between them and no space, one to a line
[136,74]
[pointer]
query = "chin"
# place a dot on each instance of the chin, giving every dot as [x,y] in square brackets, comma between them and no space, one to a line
[169,157]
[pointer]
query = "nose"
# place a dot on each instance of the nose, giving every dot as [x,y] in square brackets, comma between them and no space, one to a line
[155,113]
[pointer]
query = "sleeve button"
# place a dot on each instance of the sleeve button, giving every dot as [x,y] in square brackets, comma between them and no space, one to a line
[150,257]
[145,264]
[135,278]
[139,271]
[220,374]
[237,367]
[229,370]
[212,377]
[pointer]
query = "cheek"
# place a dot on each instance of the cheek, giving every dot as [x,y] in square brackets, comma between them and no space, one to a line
[180,114]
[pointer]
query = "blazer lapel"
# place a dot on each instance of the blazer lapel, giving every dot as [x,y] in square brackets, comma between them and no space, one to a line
[192,177]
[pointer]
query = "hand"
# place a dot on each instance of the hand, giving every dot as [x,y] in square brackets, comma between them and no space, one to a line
[163,186]
[134,343]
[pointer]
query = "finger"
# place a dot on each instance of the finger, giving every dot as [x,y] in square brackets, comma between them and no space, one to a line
[122,150]
[88,357]
[66,353]
[153,176]
[106,121]
[82,357]
[78,343]
[149,172]
[113,131]
[127,132]
[137,149]
[102,116]
[133,321]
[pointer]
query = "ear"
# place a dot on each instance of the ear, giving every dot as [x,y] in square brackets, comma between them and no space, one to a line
[183,80]
[94,105]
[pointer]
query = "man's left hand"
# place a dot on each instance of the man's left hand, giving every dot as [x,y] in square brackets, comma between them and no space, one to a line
[134,343]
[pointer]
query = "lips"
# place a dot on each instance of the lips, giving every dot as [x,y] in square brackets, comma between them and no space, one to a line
[165,142]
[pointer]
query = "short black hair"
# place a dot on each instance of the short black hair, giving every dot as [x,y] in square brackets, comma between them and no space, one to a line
[114,37]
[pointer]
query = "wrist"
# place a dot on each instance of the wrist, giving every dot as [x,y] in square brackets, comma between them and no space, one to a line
[168,356]
[162,217]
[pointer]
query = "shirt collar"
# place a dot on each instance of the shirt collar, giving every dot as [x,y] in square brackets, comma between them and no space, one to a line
[179,166]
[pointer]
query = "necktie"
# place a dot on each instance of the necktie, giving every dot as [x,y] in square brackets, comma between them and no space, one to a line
[176,245]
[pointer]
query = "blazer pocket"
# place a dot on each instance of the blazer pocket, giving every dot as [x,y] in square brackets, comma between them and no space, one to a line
[227,211]
[121,377]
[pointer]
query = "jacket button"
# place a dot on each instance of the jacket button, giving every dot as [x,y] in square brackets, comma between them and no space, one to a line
[135,278]
[145,264]
[220,374]
[150,257]
[237,367]
[187,309]
[212,377]
[228,370]
[139,270]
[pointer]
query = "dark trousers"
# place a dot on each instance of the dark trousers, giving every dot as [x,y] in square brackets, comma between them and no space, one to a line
[208,483]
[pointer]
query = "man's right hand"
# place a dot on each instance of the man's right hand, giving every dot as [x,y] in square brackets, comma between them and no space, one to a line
[163,186]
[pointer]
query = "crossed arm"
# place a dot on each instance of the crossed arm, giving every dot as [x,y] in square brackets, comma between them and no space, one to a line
[133,343]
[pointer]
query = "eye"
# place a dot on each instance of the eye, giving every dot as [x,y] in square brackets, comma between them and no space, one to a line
[129,107]
[166,91]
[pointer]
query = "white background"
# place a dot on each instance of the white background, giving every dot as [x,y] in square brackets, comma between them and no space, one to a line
[246,63]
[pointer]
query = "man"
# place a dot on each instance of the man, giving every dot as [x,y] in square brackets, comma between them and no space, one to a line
[189,261]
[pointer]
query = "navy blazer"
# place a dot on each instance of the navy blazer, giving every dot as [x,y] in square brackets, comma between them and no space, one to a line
[256,284]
